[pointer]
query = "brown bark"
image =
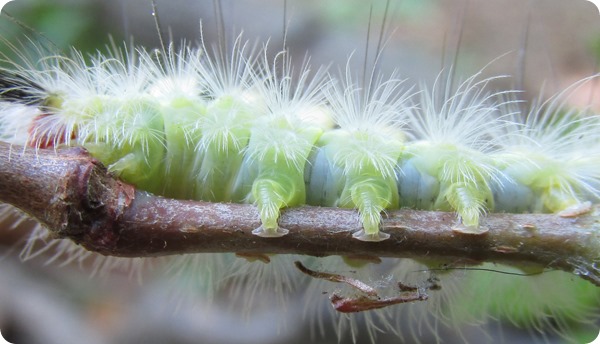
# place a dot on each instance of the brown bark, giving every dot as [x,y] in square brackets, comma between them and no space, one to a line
[72,194]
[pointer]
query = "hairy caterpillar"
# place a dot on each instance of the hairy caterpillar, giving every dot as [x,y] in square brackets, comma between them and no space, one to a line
[227,122]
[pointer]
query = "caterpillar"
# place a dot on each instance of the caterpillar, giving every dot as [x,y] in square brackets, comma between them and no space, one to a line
[240,126]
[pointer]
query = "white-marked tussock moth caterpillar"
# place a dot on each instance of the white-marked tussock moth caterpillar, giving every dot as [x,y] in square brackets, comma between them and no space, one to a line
[239,125]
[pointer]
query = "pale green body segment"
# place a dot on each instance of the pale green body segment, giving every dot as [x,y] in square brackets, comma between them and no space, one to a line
[181,154]
[131,143]
[273,175]
[225,135]
[363,178]
[450,166]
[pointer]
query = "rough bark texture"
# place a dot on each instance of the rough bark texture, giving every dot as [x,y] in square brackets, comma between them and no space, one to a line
[74,196]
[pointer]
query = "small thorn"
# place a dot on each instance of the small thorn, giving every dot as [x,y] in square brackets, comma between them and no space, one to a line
[470,230]
[529,227]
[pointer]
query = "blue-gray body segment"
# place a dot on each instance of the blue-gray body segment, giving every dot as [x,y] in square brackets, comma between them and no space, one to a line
[417,190]
[513,197]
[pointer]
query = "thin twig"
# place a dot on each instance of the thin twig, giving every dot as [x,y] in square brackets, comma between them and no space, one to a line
[74,196]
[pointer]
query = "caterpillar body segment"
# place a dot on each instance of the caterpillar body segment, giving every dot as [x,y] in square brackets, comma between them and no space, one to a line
[357,174]
[225,133]
[353,178]
[178,92]
[138,137]
[231,85]
[451,167]
[279,151]
[282,140]
[550,156]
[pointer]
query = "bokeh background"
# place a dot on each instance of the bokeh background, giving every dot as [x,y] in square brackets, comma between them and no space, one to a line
[545,45]
[543,42]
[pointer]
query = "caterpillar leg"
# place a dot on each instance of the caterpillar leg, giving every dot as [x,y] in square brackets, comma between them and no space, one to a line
[469,201]
[134,167]
[564,203]
[371,196]
[280,161]
[271,195]
[576,209]
[226,133]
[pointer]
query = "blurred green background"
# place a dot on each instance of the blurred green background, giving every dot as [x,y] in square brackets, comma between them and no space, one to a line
[543,42]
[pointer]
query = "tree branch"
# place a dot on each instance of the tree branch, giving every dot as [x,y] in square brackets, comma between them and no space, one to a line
[74,196]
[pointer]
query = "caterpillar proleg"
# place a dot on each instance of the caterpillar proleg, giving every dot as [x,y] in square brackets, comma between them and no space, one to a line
[245,122]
